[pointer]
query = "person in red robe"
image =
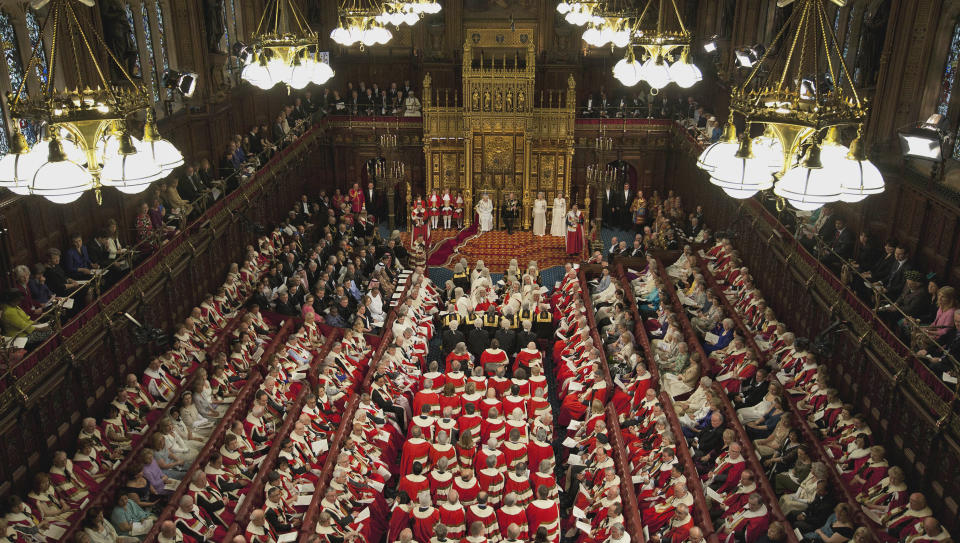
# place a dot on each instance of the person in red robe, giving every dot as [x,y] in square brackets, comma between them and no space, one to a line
[356,197]
[517,482]
[399,517]
[484,513]
[467,486]
[423,518]
[747,524]
[491,480]
[679,528]
[725,475]
[513,514]
[415,482]
[546,513]
[453,516]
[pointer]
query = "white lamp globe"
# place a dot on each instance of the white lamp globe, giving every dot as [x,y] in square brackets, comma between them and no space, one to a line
[410,18]
[37,156]
[163,153]
[322,72]
[859,177]
[742,172]
[302,74]
[810,183]
[59,180]
[628,71]
[769,145]
[593,36]
[656,72]
[684,74]
[341,35]
[16,169]
[739,194]
[621,38]
[563,8]
[720,150]
[257,75]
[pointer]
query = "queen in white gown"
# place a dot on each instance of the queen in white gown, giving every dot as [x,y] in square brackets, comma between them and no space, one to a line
[485,211]
[540,215]
[558,221]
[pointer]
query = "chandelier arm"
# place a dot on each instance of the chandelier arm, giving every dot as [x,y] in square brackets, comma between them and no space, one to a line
[74,49]
[30,63]
[756,67]
[660,18]
[298,18]
[826,45]
[263,17]
[843,65]
[676,11]
[53,48]
[643,14]
[793,48]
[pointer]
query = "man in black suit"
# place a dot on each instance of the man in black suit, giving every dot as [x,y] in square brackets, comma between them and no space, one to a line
[895,280]
[450,338]
[624,201]
[752,393]
[637,249]
[384,402]
[913,299]
[611,206]
[97,250]
[478,339]
[709,442]
[283,306]
[817,512]
[372,201]
[506,337]
[841,246]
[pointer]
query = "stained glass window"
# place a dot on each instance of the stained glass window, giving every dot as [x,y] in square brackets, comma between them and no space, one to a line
[151,58]
[36,42]
[164,58]
[949,72]
[133,40]
[4,146]
[226,27]
[11,52]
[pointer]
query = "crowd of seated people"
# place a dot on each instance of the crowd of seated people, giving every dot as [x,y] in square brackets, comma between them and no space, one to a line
[643,104]
[657,223]
[368,101]
[762,386]
[186,417]
[917,306]
[293,478]
[345,278]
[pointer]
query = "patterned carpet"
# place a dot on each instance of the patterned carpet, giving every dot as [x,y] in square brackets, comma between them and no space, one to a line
[436,237]
[496,248]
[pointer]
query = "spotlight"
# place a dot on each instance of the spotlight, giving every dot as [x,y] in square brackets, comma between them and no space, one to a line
[924,141]
[183,82]
[711,44]
[243,52]
[746,57]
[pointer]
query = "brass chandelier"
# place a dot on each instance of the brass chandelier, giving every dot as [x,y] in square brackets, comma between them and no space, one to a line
[803,104]
[365,21]
[285,50]
[86,139]
[657,52]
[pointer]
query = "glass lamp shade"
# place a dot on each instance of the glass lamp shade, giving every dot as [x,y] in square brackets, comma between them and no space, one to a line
[593,36]
[166,156]
[257,75]
[860,177]
[302,73]
[60,182]
[621,38]
[16,169]
[563,8]
[809,188]
[739,194]
[628,71]
[769,146]
[130,174]
[719,151]
[322,72]
[656,72]
[280,71]
[743,174]
[341,35]
[410,18]
[684,74]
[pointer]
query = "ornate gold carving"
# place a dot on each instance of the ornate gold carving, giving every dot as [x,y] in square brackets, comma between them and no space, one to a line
[498,154]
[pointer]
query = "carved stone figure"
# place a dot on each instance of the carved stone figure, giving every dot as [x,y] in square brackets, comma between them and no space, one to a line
[117,35]
[216,27]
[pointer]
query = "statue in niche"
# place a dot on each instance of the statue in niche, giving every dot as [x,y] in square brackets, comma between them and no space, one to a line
[509,101]
[874,32]
[498,102]
[475,101]
[521,101]
[117,34]
[486,100]
[216,26]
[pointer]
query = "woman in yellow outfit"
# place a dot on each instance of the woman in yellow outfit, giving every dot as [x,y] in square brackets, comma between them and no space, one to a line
[15,321]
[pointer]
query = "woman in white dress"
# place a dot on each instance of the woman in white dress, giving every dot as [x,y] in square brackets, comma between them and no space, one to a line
[558,221]
[485,211]
[540,215]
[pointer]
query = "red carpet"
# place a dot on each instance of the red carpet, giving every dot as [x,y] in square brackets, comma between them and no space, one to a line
[496,248]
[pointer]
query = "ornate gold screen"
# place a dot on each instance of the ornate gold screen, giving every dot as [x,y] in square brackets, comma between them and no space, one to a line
[502,138]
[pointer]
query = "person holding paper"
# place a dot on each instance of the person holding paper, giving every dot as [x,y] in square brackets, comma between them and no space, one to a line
[130,519]
[16,323]
[99,529]
[258,529]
